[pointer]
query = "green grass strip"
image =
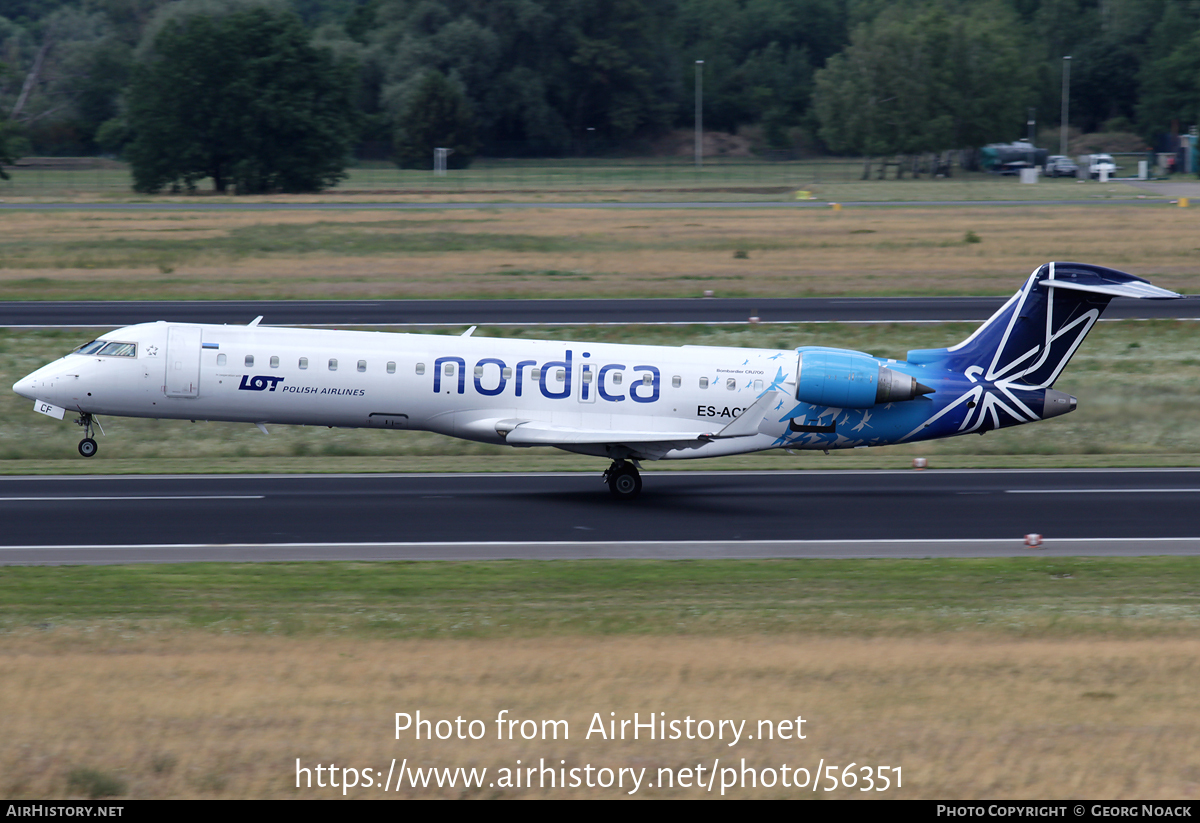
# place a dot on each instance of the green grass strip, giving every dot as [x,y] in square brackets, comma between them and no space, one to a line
[1024,596]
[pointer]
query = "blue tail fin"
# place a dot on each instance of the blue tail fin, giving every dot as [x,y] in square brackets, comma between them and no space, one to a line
[1032,337]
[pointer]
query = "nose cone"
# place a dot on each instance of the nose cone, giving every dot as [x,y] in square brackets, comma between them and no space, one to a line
[26,387]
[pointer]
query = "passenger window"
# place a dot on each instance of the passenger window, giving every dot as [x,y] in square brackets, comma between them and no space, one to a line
[758,385]
[647,379]
[561,376]
[730,383]
[587,376]
[535,374]
[362,365]
[420,368]
[704,382]
[506,373]
[249,360]
[449,369]
[676,381]
[333,364]
[304,362]
[391,367]
[274,362]
[617,377]
[479,371]
[220,360]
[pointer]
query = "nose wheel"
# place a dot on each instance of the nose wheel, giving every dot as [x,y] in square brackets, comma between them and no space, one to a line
[623,480]
[87,446]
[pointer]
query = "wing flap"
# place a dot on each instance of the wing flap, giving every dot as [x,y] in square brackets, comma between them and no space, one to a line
[532,433]
[538,433]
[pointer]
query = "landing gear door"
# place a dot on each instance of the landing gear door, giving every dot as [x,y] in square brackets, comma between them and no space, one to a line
[183,362]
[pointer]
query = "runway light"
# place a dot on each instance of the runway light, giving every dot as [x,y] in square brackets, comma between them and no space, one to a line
[1033,540]
[920,463]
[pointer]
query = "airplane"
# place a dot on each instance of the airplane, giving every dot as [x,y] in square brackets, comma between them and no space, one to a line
[626,403]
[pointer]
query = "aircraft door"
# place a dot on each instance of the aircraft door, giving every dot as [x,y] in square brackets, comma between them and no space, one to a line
[183,362]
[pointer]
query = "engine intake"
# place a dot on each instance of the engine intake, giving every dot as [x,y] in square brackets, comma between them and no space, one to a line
[849,380]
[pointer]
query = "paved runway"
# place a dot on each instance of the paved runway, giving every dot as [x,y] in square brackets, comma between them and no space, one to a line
[244,205]
[78,314]
[954,513]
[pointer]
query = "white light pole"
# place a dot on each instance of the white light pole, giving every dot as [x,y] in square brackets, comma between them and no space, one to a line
[439,161]
[699,113]
[1066,97]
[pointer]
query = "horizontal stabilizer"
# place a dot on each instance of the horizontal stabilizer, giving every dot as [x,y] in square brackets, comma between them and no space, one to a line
[1132,289]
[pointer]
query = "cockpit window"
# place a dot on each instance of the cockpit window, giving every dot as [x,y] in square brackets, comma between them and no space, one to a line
[108,348]
[119,350]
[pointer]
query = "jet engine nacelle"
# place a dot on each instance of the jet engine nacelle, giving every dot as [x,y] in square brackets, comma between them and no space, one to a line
[849,380]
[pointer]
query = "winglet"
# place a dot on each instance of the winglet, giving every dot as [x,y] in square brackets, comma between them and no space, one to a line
[255,321]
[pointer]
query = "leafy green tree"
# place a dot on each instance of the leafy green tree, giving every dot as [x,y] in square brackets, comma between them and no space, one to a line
[1171,89]
[242,98]
[926,81]
[7,157]
[437,116]
[759,57]
[7,151]
[869,98]
[980,83]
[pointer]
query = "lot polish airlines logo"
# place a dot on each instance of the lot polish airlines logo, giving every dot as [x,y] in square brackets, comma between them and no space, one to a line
[259,382]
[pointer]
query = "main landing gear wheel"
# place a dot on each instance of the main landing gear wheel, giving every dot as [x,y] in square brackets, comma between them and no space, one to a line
[87,447]
[623,481]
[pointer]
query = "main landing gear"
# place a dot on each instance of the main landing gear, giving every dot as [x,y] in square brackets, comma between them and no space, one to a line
[623,480]
[87,446]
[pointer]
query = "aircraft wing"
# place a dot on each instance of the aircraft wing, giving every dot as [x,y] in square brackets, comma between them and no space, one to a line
[749,421]
[535,433]
[538,433]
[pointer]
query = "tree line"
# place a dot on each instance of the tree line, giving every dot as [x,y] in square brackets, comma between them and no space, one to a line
[275,94]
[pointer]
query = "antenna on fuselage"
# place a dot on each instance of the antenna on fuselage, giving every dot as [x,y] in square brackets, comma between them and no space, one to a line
[469,332]
[255,321]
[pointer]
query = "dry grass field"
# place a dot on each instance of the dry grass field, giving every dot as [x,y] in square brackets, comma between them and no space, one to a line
[184,715]
[579,252]
[1003,679]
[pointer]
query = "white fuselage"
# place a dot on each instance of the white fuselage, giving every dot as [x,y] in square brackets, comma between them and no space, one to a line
[460,386]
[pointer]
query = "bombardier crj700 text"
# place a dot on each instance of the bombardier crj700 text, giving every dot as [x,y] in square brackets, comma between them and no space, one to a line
[625,403]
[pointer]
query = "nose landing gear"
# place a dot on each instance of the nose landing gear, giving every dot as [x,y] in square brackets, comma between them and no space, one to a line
[87,446]
[623,480]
